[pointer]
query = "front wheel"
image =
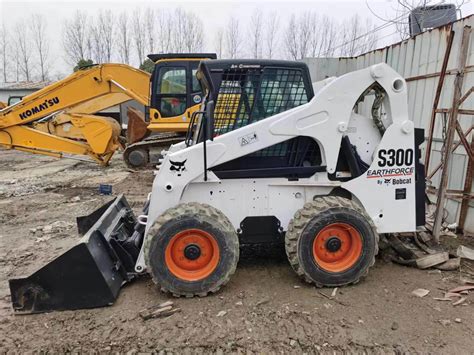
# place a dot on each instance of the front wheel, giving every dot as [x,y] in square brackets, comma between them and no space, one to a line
[331,242]
[193,251]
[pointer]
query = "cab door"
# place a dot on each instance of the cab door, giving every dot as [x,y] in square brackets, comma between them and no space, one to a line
[176,94]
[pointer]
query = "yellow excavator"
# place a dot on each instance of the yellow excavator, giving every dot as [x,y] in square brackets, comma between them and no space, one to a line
[60,119]
[176,95]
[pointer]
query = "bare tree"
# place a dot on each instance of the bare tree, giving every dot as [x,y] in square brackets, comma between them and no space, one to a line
[75,41]
[328,37]
[357,37]
[150,29]
[256,33]
[291,38]
[193,33]
[138,26]
[233,38]
[97,50]
[5,47]
[271,34]
[219,43]
[123,38]
[15,58]
[165,31]
[41,44]
[179,27]
[187,31]
[316,35]
[24,50]
[304,34]
[106,24]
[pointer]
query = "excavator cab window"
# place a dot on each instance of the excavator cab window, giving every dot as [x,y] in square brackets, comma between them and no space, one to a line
[172,91]
[175,87]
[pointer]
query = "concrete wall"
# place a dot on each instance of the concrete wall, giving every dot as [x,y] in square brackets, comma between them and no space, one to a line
[417,59]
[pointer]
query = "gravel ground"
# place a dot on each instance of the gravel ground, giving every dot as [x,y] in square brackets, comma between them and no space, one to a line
[265,308]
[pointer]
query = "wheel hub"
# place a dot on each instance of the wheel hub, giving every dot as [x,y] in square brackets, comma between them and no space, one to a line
[337,247]
[333,244]
[192,252]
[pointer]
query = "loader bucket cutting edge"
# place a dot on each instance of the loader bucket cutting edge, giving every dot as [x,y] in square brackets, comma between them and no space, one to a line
[88,275]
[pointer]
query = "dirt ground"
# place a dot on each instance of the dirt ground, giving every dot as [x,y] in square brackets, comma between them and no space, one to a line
[268,308]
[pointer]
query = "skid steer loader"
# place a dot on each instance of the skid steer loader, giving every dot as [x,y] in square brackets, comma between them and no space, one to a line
[270,158]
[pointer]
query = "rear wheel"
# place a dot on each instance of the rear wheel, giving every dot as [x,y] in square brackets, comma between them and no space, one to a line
[194,250]
[331,242]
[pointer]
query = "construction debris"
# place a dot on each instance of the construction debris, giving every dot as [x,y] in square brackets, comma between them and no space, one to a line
[457,295]
[459,301]
[462,289]
[221,313]
[428,261]
[464,252]
[418,250]
[420,292]
[450,265]
[165,309]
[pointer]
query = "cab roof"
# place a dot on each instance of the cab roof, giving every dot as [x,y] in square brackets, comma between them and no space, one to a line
[157,57]
[211,72]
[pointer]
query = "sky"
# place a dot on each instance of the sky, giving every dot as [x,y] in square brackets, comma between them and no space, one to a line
[213,13]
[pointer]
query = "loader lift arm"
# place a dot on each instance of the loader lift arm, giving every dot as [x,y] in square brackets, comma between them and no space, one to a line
[81,91]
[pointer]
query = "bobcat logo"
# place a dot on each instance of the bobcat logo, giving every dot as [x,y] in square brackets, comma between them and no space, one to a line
[178,166]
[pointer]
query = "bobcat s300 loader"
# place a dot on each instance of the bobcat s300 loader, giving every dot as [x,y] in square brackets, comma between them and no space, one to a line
[270,158]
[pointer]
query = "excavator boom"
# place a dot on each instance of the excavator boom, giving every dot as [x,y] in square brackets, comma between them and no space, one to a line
[28,125]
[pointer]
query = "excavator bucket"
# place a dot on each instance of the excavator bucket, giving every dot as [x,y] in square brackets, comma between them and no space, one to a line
[91,273]
[137,128]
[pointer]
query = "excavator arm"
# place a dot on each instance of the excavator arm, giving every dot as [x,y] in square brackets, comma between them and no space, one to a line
[58,119]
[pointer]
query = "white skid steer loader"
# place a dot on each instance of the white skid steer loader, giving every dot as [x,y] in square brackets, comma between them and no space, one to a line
[271,158]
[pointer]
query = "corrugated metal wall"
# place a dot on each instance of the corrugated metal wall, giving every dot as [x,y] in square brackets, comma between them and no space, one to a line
[419,59]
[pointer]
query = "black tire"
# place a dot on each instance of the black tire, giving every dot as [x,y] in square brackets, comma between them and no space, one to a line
[136,158]
[189,216]
[310,221]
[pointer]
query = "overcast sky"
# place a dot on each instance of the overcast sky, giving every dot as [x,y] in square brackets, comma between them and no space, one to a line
[214,14]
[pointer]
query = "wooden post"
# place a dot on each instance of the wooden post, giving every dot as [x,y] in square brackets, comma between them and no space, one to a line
[453,117]
[439,88]
[467,188]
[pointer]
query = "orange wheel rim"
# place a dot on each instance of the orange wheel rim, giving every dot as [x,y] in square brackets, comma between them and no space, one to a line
[337,247]
[192,255]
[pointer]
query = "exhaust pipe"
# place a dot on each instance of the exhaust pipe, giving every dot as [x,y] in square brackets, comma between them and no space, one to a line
[91,273]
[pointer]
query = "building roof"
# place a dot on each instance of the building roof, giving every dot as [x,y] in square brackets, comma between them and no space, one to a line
[24,85]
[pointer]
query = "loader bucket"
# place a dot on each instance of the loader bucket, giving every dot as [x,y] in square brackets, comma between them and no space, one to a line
[91,273]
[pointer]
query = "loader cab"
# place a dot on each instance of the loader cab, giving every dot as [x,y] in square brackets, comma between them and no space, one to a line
[246,91]
[175,91]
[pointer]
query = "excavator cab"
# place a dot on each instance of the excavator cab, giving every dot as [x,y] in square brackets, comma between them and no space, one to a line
[175,94]
[175,91]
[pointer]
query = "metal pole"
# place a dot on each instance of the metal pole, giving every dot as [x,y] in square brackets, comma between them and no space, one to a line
[453,117]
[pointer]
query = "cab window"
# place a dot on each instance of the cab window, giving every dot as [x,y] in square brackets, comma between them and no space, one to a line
[196,84]
[173,81]
[172,90]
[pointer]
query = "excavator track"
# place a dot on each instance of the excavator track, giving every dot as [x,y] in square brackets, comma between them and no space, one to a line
[137,155]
